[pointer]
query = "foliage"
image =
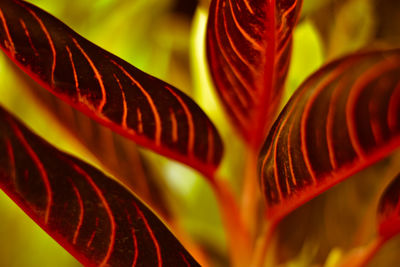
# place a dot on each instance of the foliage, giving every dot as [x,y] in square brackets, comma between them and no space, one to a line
[339,121]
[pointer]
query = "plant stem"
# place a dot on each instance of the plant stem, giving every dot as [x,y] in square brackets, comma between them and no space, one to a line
[250,195]
[359,257]
[238,237]
[263,243]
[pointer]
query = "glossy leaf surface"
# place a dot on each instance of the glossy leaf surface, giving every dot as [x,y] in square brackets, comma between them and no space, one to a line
[95,218]
[249,47]
[106,88]
[389,210]
[342,119]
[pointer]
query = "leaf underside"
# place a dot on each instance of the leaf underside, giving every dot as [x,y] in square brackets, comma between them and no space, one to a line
[106,88]
[389,210]
[248,48]
[95,218]
[343,118]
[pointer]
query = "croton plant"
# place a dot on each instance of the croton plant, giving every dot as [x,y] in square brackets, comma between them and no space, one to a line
[342,119]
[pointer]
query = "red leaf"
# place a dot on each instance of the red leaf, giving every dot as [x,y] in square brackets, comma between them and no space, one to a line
[95,218]
[342,119]
[389,210]
[118,155]
[108,89]
[249,46]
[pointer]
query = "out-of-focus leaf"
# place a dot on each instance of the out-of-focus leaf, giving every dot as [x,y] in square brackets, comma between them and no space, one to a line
[330,222]
[345,26]
[249,47]
[353,28]
[387,23]
[388,214]
[389,210]
[310,6]
[342,119]
[96,219]
[108,89]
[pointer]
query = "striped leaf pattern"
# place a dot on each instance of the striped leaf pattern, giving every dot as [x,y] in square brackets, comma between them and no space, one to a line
[389,210]
[95,218]
[342,119]
[108,89]
[118,155]
[249,47]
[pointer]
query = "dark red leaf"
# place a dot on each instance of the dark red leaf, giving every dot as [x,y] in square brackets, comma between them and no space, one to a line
[389,210]
[106,88]
[342,119]
[118,155]
[249,47]
[95,218]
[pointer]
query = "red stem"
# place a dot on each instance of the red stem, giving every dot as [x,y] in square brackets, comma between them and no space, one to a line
[238,237]
[250,194]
